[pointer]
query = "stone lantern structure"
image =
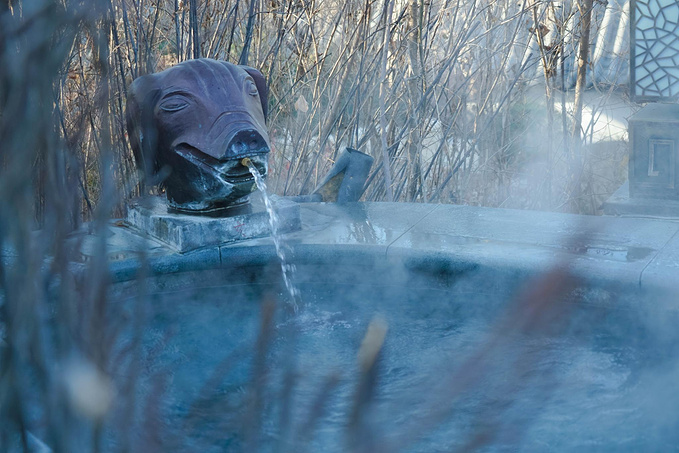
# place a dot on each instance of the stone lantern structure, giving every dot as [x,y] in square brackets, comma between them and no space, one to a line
[654,129]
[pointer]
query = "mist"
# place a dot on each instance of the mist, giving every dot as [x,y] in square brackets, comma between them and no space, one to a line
[473,104]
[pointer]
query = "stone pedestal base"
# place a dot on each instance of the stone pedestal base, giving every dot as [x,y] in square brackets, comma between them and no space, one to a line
[188,232]
[621,204]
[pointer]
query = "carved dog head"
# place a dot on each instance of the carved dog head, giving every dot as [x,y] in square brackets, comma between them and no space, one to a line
[194,122]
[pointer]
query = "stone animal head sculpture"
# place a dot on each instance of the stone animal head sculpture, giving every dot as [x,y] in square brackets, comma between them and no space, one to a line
[192,124]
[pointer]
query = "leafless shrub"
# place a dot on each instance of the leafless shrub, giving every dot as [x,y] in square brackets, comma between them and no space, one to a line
[429,88]
[441,113]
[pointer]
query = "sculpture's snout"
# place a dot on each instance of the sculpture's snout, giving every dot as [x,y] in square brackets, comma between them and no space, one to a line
[244,143]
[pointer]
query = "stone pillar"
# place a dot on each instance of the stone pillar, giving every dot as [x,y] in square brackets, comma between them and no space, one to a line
[652,188]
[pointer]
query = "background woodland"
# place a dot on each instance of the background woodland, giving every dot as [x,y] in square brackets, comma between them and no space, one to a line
[435,90]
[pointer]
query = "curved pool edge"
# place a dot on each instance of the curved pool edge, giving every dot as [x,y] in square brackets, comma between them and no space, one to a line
[628,253]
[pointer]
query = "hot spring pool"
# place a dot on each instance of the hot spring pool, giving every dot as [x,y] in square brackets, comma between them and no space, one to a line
[471,360]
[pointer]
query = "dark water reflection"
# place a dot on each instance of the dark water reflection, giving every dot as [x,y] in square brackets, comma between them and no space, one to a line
[603,381]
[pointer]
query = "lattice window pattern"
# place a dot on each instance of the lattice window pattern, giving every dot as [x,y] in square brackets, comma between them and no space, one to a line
[655,49]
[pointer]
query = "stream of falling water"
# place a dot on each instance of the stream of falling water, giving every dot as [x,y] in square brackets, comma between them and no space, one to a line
[287,269]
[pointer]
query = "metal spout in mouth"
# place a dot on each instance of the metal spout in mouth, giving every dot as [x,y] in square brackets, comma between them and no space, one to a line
[238,171]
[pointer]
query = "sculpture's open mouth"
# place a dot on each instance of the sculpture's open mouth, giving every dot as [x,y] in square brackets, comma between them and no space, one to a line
[236,173]
[211,186]
[232,170]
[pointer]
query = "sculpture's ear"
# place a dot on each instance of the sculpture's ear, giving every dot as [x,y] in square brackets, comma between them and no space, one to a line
[141,100]
[260,81]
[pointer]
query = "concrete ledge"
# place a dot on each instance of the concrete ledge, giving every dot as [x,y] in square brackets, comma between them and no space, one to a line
[625,253]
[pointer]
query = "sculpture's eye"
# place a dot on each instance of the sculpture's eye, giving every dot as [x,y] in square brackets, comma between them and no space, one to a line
[174,104]
[251,87]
